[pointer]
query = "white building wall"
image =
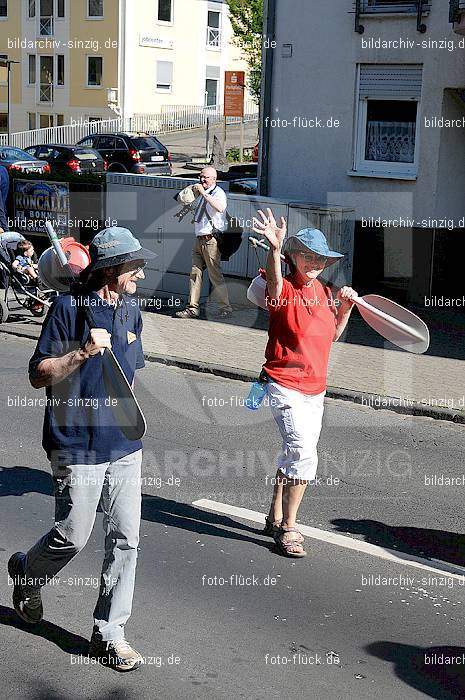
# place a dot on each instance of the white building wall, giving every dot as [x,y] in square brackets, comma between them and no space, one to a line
[320,80]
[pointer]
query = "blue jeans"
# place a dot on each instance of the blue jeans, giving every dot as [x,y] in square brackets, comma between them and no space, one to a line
[78,490]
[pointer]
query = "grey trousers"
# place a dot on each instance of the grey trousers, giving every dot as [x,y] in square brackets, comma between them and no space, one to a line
[78,490]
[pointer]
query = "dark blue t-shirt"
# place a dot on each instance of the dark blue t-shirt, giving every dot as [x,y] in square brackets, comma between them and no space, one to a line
[79,425]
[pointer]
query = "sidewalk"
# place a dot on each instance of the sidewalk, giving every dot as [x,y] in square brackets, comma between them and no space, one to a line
[419,384]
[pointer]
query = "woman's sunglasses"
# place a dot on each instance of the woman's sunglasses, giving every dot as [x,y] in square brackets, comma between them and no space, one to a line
[313,257]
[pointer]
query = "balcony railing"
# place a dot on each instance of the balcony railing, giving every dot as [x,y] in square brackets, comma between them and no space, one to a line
[46,26]
[391,6]
[46,93]
[213,37]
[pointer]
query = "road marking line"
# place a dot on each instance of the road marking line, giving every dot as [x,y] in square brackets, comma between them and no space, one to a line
[442,567]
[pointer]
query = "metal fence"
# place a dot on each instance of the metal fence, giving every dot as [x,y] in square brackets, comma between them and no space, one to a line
[171,118]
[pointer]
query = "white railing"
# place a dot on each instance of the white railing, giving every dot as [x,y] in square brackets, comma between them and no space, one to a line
[213,37]
[171,118]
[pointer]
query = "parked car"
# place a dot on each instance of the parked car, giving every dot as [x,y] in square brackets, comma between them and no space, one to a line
[17,160]
[69,159]
[131,152]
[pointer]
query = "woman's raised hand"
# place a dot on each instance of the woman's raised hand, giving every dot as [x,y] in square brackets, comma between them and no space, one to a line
[269,228]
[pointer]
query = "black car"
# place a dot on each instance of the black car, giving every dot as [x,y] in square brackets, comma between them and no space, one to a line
[17,160]
[131,152]
[69,159]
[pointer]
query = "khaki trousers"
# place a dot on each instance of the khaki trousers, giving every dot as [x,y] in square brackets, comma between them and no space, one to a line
[205,254]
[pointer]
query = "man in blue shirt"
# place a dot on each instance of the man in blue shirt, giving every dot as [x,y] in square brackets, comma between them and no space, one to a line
[91,459]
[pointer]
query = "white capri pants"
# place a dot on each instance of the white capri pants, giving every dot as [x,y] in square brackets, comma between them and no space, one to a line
[299,417]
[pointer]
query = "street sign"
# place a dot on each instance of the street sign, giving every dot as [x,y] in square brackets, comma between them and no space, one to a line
[234,82]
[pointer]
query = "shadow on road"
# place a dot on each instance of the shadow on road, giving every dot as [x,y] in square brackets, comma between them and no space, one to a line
[17,481]
[433,544]
[187,517]
[65,640]
[426,669]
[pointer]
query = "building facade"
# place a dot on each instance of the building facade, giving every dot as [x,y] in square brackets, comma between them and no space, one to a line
[95,59]
[365,102]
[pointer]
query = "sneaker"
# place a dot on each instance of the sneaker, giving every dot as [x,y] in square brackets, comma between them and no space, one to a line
[27,600]
[187,313]
[117,654]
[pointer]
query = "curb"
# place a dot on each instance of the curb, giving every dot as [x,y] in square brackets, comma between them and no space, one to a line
[374,401]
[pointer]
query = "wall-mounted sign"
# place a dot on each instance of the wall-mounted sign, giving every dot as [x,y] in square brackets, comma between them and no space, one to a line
[234,82]
[155,42]
[36,201]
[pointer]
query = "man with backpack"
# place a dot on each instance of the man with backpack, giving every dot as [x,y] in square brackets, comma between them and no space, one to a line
[210,217]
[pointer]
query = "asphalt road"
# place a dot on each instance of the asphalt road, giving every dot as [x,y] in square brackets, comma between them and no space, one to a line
[329,626]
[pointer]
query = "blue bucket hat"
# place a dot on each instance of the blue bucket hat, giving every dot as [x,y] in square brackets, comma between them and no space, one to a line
[315,240]
[114,246]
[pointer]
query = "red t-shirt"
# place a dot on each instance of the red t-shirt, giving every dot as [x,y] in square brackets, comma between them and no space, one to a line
[301,331]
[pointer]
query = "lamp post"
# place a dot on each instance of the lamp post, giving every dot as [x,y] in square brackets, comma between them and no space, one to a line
[6,63]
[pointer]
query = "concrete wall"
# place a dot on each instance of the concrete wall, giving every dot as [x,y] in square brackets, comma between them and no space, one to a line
[147,206]
[320,80]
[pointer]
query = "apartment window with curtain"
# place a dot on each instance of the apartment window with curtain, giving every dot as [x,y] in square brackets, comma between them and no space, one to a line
[32,10]
[32,121]
[4,70]
[32,69]
[95,9]
[388,119]
[3,9]
[3,122]
[60,9]
[165,11]
[94,71]
[164,76]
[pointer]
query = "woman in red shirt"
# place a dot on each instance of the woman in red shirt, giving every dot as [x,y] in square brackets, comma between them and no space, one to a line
[304,322]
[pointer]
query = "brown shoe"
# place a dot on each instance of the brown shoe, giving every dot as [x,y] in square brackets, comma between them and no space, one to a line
[187,313]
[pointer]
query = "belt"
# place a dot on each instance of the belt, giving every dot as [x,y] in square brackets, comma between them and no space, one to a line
[207,237]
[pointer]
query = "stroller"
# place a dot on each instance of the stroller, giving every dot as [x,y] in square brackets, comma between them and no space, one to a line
[27,293]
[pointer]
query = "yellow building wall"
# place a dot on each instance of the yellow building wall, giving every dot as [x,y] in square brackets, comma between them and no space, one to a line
[101,36]
[10,30]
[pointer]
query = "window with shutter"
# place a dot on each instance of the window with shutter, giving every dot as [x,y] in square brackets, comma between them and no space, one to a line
[164,76]
[388,119]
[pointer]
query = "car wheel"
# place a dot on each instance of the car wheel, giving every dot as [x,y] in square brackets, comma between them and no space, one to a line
[117,168]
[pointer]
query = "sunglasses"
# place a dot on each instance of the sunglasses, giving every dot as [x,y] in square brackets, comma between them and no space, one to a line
[313,257]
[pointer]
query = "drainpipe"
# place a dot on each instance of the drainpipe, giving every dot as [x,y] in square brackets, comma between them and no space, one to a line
[269,28]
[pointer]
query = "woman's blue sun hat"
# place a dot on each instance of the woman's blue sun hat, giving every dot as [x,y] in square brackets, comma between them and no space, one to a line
[315,240]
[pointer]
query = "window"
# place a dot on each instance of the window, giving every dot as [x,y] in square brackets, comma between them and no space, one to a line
[89,140]
[3,8]
[106,142]
[94,119]
[3,122]
[32,69]
[213,29]
[60,69]
[165,10]
[46,27]
[388,119]
[120,144]
[95,9]
[386,6]
[212,80]
[164,76]
[94,71]
[60,9]
[32,9]
[32,120]
[60,119]
[45,121]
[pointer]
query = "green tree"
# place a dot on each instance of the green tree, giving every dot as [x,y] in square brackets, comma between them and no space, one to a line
[247,23]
